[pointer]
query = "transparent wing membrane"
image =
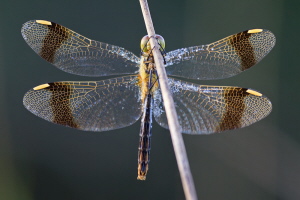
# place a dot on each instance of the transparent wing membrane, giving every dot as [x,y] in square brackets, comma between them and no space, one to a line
[90,106]
[76,54]
[204,109]
[224,58]
[116,103]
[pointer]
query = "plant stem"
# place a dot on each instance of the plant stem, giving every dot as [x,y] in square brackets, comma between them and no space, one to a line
[175,129]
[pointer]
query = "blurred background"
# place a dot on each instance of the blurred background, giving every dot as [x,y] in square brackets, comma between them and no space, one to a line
[41,160]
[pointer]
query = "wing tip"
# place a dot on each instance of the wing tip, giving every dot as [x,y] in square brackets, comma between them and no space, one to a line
[44,22]
[253,92]
[255,30]
[40,87]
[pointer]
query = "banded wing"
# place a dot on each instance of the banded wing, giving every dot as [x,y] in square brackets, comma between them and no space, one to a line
[90,106]
[76,54]
[224,58]
[204,109]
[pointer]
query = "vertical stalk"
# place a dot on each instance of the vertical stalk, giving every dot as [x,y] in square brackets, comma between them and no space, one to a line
[175,129]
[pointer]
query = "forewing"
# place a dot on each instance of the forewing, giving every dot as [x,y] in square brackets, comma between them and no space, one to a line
[76,54]
[204,109]
[224,58]
[90,106]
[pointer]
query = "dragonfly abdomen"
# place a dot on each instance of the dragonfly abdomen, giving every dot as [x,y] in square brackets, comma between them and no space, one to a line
[145,139]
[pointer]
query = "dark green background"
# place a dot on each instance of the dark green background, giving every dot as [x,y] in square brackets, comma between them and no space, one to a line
[40,160]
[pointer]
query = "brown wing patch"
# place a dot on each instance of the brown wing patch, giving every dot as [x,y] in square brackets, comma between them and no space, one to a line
[234,108]
[56,35]
[244,49]
[60,103]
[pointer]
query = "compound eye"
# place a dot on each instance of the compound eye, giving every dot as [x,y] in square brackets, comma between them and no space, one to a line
[161,41]
[145,44]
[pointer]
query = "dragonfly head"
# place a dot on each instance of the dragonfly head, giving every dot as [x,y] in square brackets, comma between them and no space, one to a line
[145,43]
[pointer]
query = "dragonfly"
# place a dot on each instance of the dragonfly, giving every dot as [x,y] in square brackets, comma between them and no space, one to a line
[119,102]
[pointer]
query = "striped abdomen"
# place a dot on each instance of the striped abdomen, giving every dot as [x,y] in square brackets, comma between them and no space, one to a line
[145,138]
